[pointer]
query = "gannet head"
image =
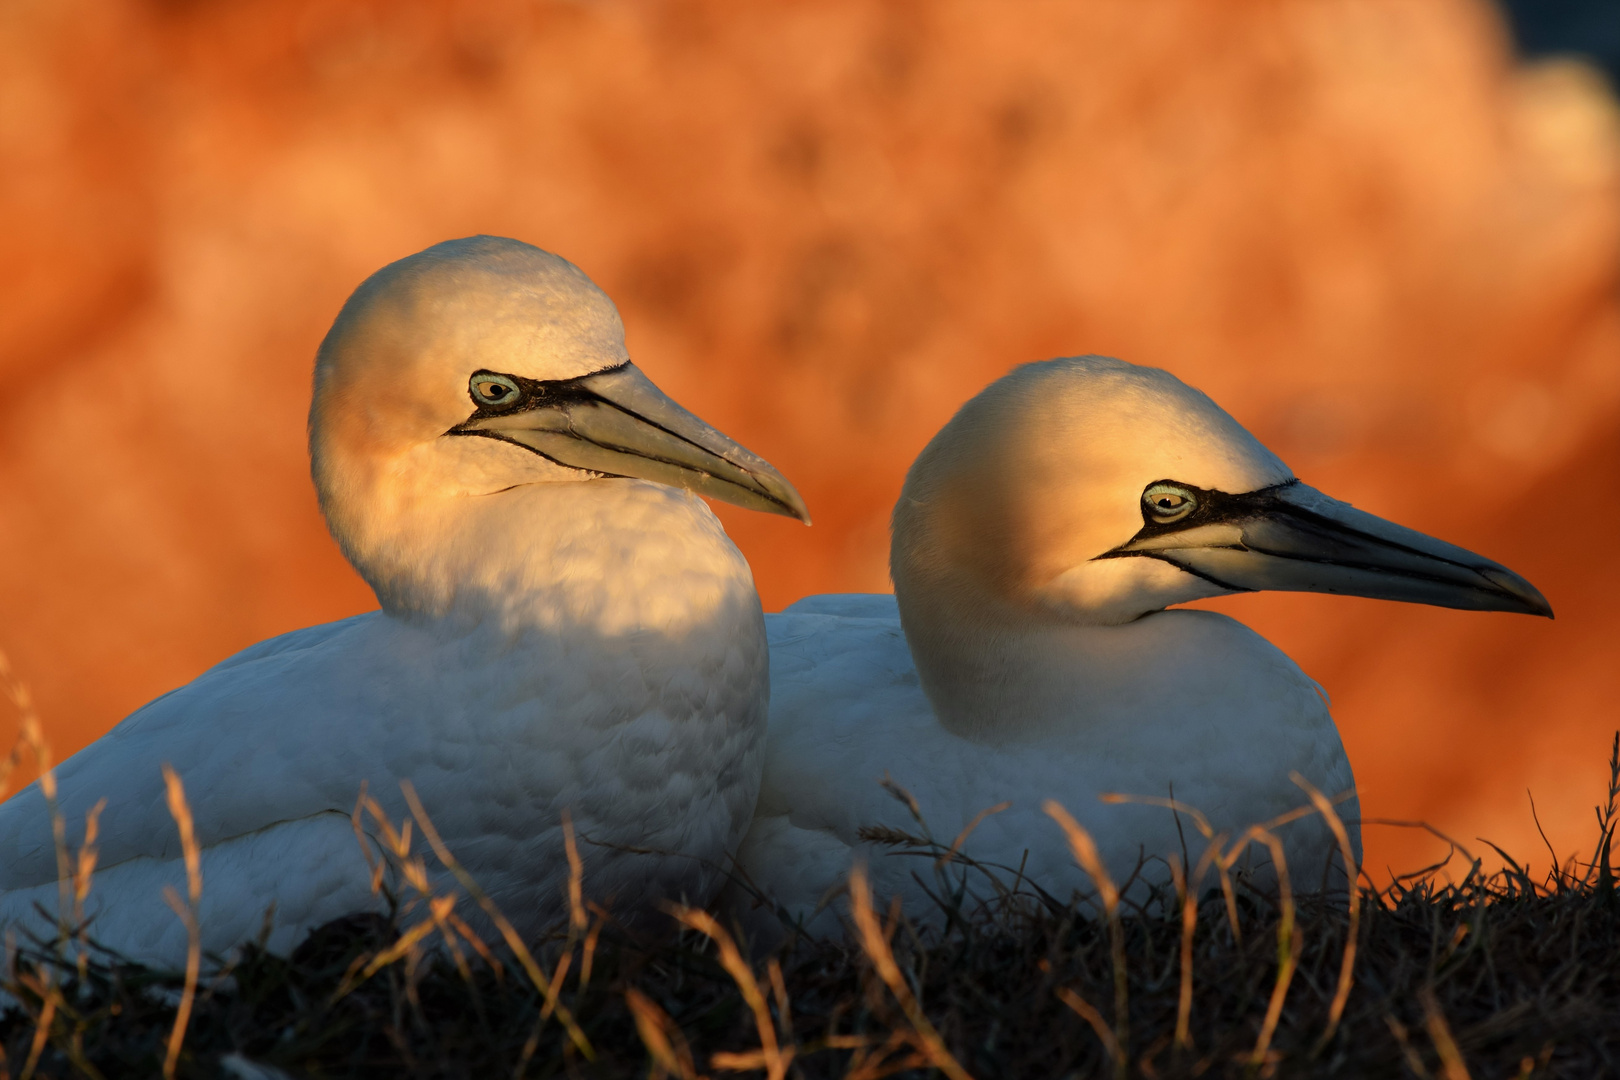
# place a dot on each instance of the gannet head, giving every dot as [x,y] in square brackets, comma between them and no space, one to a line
[483,365]
[1092,491]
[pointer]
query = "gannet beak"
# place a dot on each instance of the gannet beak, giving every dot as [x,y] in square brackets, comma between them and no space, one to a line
[1292,537]
[617,423]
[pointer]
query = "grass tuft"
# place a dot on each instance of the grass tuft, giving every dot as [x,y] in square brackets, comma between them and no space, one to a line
[1492,975]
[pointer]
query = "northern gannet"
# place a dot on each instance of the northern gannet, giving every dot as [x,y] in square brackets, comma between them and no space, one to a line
[564,626]
[1026,653]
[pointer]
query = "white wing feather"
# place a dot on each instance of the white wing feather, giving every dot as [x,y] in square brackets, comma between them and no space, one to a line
[847,709]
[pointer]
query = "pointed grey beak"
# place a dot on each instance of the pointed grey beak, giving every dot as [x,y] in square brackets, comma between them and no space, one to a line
[617,423]
[1294,538]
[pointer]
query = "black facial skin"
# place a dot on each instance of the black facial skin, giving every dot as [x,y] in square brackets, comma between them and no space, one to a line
[560,394]
[532,394]
[1214,508]
[1262,513]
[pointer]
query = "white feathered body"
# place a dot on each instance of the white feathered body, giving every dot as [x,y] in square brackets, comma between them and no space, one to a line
[601,655]
[1184,700]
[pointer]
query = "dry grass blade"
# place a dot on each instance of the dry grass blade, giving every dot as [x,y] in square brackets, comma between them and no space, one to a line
[49,996]
[576,879]
[364,969]
[1607,814]
[1088,1012]
[85,864]
[1451,1059]
[548,988]
[32,736]
[47,785]
[84,870]
[770,1056]
[1414,1060]
[1085,853]
[23,701]
[1213,842]
[73,875]
[588,952]
[773,967]
[1186,893]
[1494,973]
[876,945]
[1288,943]
[1200,822]
[394,842]
[1453,842]
[495,966]
[362,803]
[874,1063]
[961,837]
[439,911]
[188,912]
[902,796]
[662,1038]
[1347,962]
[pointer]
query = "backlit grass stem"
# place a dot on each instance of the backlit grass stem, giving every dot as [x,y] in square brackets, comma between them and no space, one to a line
[188,912]
[875,943]
[1085,853]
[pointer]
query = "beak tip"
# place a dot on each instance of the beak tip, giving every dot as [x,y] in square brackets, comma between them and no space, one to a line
[796,511]
[788,497]
[1533,603]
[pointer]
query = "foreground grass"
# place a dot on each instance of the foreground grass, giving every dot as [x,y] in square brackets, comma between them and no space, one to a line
[1487,976]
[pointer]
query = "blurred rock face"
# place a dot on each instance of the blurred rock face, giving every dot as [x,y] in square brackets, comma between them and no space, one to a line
[1389,253]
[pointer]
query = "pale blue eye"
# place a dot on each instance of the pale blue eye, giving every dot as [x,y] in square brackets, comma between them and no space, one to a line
[1169,502]
[488,388]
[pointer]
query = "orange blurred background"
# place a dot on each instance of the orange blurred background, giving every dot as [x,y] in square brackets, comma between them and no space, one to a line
[1379,241]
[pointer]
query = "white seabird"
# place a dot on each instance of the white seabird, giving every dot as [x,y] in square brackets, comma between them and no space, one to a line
[1026,653]
[564,626]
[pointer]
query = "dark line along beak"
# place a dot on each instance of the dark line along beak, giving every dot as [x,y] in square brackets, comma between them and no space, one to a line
[616,422]
[1294,538]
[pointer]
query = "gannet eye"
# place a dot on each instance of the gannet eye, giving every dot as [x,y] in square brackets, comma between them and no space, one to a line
[1168,502]
[488,388]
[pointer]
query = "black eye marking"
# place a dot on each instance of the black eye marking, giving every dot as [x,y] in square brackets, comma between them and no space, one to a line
[1169,506]
[496,393]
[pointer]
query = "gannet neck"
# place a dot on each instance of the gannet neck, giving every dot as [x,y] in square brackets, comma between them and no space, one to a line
[1002,684]
[985,672]
[615,557]
[998,673]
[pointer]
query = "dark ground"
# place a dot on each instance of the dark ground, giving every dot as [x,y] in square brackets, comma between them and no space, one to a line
[1489,976]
